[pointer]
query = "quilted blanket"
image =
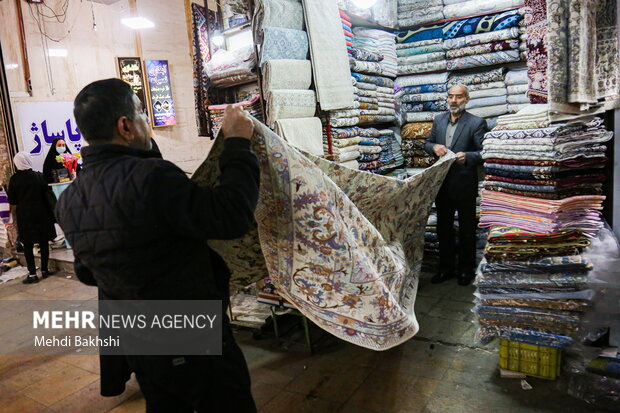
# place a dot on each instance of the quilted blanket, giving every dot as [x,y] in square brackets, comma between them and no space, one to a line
[329,243]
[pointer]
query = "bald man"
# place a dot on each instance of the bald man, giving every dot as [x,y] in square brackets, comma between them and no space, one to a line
[461,133]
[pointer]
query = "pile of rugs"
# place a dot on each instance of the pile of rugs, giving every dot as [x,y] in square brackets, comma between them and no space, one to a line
[541,201]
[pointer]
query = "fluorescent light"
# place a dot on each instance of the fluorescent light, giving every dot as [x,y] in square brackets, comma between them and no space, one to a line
[364,4]
[57,52]
[137,22]
[11,66]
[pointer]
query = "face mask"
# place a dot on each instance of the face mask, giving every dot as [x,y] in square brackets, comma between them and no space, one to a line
[61,149]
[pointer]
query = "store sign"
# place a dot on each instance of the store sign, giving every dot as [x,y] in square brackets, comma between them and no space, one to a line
[158,78]
[130,70]
[42,122]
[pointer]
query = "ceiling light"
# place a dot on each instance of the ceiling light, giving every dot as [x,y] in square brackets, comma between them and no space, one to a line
[57,52]
[137,22]
[11,66]
[364,4]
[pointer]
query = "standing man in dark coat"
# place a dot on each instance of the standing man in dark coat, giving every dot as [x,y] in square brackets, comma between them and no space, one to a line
[35,219]
[462,133]
[129,210]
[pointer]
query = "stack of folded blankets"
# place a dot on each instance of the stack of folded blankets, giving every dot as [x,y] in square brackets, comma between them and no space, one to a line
[347,29]
[482,41]
[422,97]
[345,148]
[542,202]
[228,68]
[420,50]
[416,12]
[385,46]
[413,135]
[516,86]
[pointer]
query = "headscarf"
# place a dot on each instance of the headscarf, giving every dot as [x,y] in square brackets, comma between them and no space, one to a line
[22,161]
[50,162]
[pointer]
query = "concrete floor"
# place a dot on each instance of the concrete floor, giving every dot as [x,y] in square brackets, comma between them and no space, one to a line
[440,370]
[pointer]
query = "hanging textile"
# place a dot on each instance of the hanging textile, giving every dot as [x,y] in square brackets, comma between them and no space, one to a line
[330,63]
[201,56]
[331,248]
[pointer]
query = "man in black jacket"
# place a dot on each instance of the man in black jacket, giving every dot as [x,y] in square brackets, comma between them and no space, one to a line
[462,133]
[129,210]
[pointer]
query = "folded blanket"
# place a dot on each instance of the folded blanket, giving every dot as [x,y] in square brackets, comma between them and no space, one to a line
[421,116]
[421,58]
[473,7]
[287,14]
[481,24]
[423,97]
[501,91]
[437,47]
[489,111]
[481,38]
[516,89]
[496,46]
[518,99]
[305,134]
[287,104]
[487,59]
[420,33]
[282,43]
[488,101]
[416,130]
[421,43]
[483,76]
[422,67]
[516,77]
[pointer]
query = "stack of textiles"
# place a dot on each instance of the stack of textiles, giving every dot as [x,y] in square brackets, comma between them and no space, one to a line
[227,68]
[456,9]
[422,97]
[420,50]
[347,30]
[516,86]
[486,80]
[416,12]
[345,148]
[482,41]
[541,202]
[386,47]
[253,106]
[413,136]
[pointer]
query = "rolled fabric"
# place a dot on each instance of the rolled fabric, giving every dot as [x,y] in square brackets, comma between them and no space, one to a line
[288,14]
[481,38]
[481,60]
[281,43]
[287,74]
[305,134]
[287,104]
[473,7]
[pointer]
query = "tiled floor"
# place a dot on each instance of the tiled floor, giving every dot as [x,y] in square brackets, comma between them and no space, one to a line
[440,370]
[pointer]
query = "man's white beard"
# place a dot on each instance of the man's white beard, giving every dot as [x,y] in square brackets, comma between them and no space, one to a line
[459,109]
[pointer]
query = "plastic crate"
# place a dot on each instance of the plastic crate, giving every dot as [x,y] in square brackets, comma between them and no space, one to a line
[529,359]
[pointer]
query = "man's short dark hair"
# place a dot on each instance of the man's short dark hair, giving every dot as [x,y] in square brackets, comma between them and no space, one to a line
[99,105]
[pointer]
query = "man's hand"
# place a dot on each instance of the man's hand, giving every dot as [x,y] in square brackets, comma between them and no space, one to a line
[461,157]
[440,150]
[236,123]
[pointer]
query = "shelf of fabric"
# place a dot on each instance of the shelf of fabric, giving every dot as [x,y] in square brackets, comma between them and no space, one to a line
[458,18]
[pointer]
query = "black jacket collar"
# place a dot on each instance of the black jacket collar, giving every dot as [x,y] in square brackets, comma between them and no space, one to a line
[103,152]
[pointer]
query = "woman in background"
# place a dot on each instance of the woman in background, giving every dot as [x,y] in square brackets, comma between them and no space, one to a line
[58,147]
[35,218]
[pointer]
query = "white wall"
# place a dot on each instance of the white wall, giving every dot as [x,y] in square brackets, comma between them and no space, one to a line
[92,56]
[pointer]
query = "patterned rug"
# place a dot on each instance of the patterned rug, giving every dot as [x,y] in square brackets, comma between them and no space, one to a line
[344,246]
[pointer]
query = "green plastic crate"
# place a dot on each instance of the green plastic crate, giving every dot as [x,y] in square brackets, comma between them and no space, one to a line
[529,359]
